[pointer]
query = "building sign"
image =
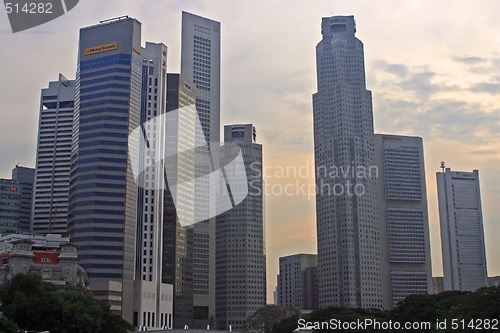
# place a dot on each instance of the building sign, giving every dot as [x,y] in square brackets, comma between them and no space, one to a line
[101,48]
[8,188]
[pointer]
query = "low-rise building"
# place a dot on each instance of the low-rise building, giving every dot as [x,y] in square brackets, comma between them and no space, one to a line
[53,257]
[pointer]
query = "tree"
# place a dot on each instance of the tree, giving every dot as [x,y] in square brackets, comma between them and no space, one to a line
[8,326]
[36,305]
[266,317]
[474,307]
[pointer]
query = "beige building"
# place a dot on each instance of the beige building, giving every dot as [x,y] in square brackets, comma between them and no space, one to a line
[403,217]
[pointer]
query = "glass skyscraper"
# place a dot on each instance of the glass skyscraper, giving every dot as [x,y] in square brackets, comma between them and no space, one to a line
[25,177]
[200,64]
[103,193]
[349,263]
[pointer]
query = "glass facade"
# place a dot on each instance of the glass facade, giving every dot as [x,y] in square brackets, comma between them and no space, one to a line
[103,193]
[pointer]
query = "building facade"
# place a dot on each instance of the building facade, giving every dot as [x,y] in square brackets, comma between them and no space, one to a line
[51,188]
[404,223]
[179,196]
[349,258]
[152,298]
[25,177]
[296,281]
[462,235]
[240,256]
[51,256]
[200,64]
[103,194]
[10,206]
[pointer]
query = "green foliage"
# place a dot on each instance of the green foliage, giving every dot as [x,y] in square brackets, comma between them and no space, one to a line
[286,325]
[36,305]
[266,317]
[8,326]
[452,306]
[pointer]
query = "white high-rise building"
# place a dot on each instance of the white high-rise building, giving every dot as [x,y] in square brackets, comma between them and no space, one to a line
[152,312]
[349,258]
[462,235]
[404,223]
[200,64]
[51,187]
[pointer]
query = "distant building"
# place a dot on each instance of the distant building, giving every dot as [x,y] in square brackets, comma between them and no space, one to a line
[10,206]
[403,217]
[26,178]
[53,257]
[298,281]
[462,235]
[437,285]
[51,185]
[240,255]
[310,297]
[494,281]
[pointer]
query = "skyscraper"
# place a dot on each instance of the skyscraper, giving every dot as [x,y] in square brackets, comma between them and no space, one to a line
[10,206]
[240,255]
[152,312]
[51,188]
[404,224]
[349,263]
[25,177]
[200,63]
[462,235]
[103,193]
[291,286]
[179,197]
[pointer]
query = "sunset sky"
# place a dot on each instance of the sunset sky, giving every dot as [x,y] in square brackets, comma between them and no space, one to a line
[433,68]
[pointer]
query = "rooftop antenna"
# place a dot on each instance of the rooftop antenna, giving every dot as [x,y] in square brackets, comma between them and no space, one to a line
[118,18]
[442,166]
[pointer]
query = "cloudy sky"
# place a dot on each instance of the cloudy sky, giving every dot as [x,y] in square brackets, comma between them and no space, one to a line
[433,67]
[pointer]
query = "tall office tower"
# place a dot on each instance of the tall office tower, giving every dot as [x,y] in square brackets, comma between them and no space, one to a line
[346,203]
[179,196]
[152,312]
[404,223]
[462,236]
[291,280]
[51,188]
[200,63]
[25,177]
[10,206]
[103,193]
[240,256]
